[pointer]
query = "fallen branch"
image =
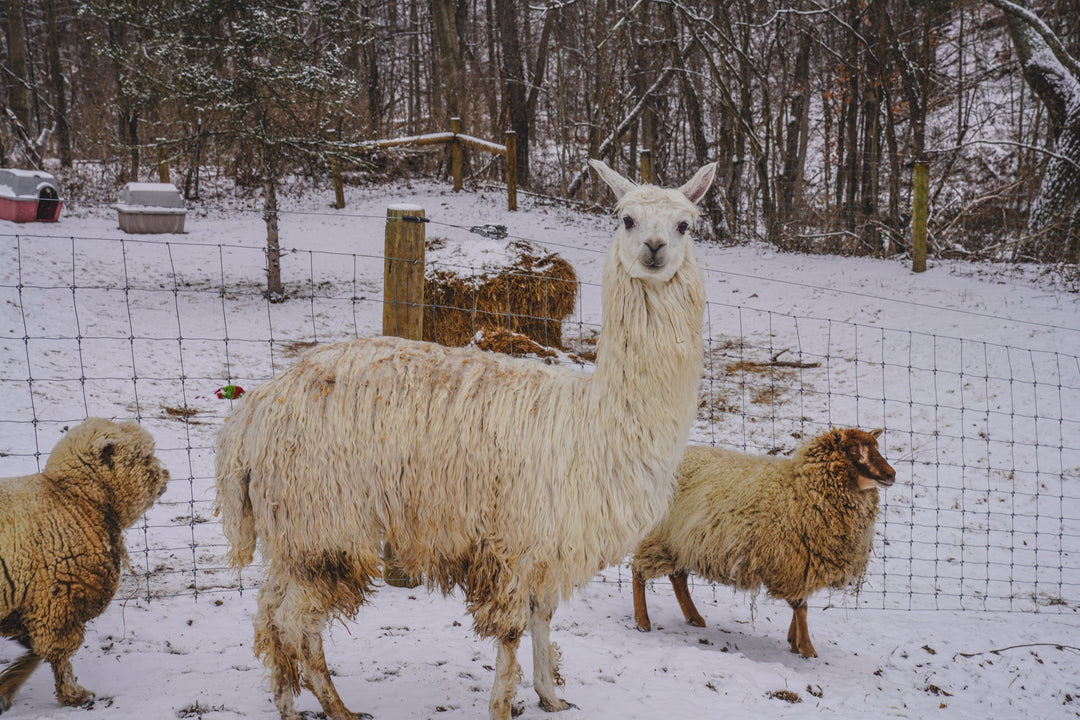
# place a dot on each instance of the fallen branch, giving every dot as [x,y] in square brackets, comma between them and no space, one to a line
[774,361]
[1059,646]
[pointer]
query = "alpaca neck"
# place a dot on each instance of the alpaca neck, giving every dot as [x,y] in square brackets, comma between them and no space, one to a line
[649,357]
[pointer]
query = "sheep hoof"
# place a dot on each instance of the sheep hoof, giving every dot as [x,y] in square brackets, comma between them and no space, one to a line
[77,696]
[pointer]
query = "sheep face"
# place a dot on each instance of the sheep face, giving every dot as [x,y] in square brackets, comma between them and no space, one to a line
[654,223]
[869,468]
[118,456]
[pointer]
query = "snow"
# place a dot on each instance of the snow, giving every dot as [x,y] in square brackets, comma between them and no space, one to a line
[411,654]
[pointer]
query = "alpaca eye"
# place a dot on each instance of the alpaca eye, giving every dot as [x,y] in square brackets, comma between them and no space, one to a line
[682,227]
[628,222]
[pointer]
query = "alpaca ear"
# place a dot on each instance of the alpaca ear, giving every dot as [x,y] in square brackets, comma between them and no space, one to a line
[876,432]
[697,186]
[618,184]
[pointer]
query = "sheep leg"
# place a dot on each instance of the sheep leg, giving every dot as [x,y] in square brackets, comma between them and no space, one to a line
[798,634]
[507,672]
[641,610]
[68,691]
[14,676]
[545,653]
[682,594]
[56,643]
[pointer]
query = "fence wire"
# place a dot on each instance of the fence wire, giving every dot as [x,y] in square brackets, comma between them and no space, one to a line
[984,437]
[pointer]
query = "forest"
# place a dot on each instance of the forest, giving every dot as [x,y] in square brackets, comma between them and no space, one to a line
[816,110]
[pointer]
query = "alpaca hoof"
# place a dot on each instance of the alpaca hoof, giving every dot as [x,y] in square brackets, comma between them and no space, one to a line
[644,627]
[562,705]
[5,704]
[696,621]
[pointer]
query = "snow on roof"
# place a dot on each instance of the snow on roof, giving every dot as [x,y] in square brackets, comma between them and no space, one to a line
[19,183]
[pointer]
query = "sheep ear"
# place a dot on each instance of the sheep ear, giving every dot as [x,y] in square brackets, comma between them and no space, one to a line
[618,184]
[876,432]
[107,450]
[697,186]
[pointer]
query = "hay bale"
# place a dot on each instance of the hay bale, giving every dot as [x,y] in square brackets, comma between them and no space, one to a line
[516,287]
[510,343]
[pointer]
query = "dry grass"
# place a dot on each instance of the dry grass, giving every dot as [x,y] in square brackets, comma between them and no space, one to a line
[531,297]
[511,343]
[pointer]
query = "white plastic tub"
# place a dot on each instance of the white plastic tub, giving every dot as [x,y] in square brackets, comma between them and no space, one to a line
[151,208]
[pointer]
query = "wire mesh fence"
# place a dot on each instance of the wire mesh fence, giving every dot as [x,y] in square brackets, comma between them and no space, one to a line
[984,437]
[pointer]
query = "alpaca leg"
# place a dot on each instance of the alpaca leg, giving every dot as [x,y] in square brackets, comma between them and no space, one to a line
[296,625]
[278,656]
[507,672]
[682,594]
[798,633]
[14,676]
[317,678]
[545,653]
[641,610]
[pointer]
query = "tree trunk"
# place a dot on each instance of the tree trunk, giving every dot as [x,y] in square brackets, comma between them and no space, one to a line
[869,221]
[56,76]
[18,71]
[371,72]
[789,194]
[513,70]
[1054,75]
[274,288]
[448,90]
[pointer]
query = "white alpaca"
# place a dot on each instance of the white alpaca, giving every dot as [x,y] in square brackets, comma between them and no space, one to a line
[513,480]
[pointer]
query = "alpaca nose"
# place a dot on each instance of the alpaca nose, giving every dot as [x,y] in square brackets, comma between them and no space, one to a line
[655,246]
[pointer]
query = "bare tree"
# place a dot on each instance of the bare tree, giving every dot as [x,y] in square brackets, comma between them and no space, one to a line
[1054,75]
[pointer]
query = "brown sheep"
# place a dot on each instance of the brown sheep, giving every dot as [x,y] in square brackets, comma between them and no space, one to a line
[793,524]
[61,545]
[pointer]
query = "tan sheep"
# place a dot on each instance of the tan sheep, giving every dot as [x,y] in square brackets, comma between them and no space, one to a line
[793,524]
[61,545]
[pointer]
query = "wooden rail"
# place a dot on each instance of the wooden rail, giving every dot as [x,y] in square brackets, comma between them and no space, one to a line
[458,140]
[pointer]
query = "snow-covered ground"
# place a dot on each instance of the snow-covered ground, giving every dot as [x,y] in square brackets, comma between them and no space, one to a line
[971,369]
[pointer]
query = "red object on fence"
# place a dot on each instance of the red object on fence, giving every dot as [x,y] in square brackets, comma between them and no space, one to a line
[28,196]
[229,392]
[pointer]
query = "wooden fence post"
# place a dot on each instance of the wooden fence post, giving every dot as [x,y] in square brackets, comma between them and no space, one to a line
[162,162]
[455,153]
[339,185]
[920,191]
[403,311]
[646,167]
[511,170]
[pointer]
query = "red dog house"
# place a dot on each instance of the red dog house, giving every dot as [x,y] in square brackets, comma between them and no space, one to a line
[28,196]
